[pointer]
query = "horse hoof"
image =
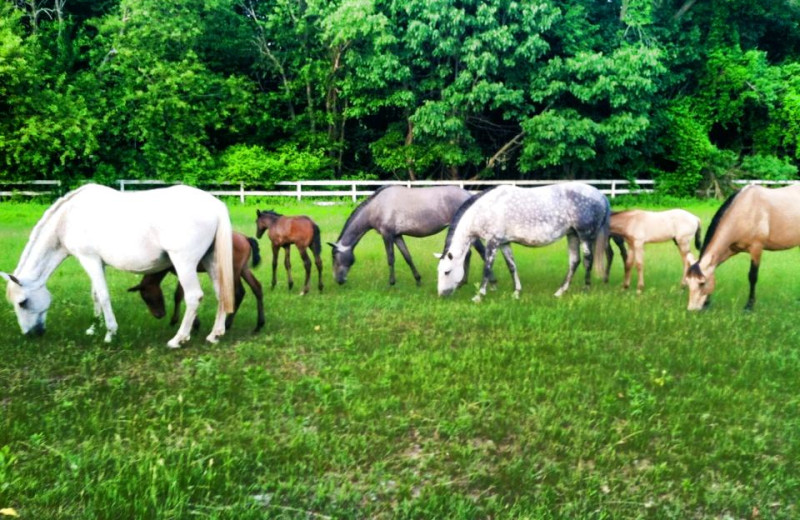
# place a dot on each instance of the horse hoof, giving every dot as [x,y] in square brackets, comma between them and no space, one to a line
[176,342]
[212,338]
[515,295]
[476,298]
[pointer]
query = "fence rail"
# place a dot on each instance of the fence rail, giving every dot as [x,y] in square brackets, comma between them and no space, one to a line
[347,189]
[355,189]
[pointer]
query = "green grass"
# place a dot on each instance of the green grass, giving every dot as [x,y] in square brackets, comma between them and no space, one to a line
[379,402]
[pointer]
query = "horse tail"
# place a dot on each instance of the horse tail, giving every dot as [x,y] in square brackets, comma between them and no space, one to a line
[316,240]
[601,243]
[698,243]
[223,254]
[255,251]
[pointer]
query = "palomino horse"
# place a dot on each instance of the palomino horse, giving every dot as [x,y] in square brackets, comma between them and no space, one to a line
[753,219]
[285,231]
[532,217]
[394,211]
[637,227]
[243,249]
[144,232]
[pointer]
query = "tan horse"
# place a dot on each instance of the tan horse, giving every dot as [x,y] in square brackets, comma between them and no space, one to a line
[243,249]
[285,231]
[752,220]
[638,227]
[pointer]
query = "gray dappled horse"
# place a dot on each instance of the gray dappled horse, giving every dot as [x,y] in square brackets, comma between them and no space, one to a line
[395,211]
[532,217]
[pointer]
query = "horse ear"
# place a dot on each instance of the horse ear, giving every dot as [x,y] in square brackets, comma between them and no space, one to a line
[258,212]
[10,278]
[449,255]
[438,255]
[135,288]
[333,245]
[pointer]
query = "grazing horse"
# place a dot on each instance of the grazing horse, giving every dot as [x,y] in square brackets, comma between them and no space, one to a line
[243,248]
[394,211]
[143,232]
[532,217]
[638,227]
[285,231]
[753,219]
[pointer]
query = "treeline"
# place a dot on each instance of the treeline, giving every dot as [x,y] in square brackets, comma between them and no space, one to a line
[689,93]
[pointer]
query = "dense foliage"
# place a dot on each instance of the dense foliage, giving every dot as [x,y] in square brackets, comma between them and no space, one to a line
[691,93]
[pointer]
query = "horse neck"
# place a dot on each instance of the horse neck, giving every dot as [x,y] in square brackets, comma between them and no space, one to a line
[461,237]
[356,227]
[43,253]
[718,248]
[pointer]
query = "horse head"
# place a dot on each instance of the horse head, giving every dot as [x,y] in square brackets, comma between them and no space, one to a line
[30,303]
[265,219]
[701,285]
[451,272]
[153,296]
[343,260]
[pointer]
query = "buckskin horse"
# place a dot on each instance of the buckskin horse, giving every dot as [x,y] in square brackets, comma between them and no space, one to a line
[753,220]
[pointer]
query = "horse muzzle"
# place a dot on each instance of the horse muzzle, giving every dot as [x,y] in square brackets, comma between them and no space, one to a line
[35,331]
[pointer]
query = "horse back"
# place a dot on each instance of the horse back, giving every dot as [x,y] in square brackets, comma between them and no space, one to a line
[135,231]
[778,216]
[416,212]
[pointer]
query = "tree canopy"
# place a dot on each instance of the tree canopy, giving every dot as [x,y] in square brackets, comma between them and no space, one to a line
[259,91]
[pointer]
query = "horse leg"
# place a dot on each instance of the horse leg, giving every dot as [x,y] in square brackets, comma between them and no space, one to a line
[574,259]
[588,260]
[238,296]
[466,269]
[629,259]
[287,263]
[401,245]
[639,252]
[193,294]
[210,263]
[755,262]
[177,299]
[307,266]
[318,262]
[255,285]
[388,242]
[685,249]
[102,301]
[478,245]
[275,251]
[508,255]
[491,253]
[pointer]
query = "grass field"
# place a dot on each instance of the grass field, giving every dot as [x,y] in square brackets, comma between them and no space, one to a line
[367,401]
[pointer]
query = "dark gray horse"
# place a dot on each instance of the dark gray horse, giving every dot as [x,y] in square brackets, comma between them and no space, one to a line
[394,211]
[532,217]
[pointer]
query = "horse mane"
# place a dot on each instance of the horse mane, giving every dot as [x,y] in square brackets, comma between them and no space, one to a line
[460,213]
[43,221]
[272,212]
[359,208]
[712,227]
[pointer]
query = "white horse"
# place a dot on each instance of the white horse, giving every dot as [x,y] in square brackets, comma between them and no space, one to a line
[141,232]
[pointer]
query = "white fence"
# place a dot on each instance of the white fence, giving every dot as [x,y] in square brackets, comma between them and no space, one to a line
[348,189]
[355,189]
[30,188]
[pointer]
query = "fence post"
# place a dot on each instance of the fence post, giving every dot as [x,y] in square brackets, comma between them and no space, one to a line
[121,185]
[241,192]
[613,189]
[353,188]
[299,192]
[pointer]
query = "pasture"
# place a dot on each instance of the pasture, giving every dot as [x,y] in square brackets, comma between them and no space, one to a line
[367,401]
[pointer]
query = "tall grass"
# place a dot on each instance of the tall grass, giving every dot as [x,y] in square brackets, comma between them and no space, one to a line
[389,402]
